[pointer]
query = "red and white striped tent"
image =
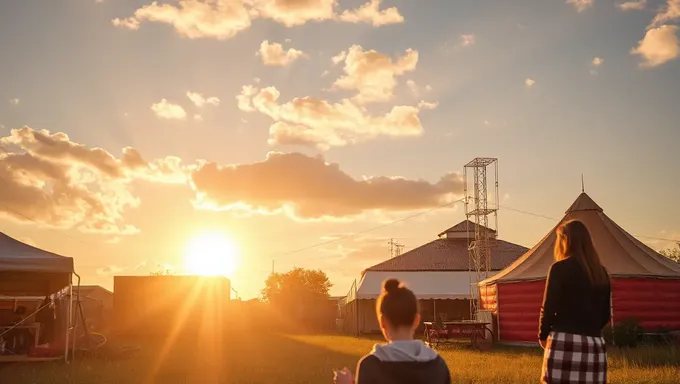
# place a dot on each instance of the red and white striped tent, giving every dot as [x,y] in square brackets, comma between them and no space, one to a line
[645,287]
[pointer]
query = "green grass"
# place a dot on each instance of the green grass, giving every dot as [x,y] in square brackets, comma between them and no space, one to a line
[263,358]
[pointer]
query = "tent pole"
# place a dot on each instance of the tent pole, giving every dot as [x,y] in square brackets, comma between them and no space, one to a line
[68,314]
[434,310]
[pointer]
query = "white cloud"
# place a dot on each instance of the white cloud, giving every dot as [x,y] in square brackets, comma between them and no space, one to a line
[467,40]
[200,101]
[198,117]
[127,23]
[223,19]
[668,14]
[273,54]
[659,46]
[580,5]
[166,110]
[370,13]
[313,122]
[339,58]
[529,82]
[373,74]
[413,87]
[637,5]
[14,101]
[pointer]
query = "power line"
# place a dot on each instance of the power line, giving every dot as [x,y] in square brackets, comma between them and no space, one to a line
[369,229]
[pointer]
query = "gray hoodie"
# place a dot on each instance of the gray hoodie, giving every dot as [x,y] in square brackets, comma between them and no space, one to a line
[402,362]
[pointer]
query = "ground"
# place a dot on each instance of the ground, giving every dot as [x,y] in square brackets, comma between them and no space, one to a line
[272,358]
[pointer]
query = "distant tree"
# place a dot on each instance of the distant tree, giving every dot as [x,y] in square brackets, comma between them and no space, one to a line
[162,272]
[297,286]
[672,253]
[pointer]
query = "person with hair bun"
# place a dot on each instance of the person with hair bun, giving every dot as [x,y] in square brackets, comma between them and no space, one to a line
[402,359]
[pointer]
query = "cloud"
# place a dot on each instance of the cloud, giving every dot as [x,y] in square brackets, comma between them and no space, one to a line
[597,61]
[110,270]
[14,101]
[413,87]
[200,101]
[224,19]
[667,14]
[273,54]
[659,46]
[637,5]
[310,188]
[339,58]
[166,110]
[127,23]
[314,122]
[51,180]
[373,74]
[529,82]
[467,40]
[370,13]
[198,117]
[580,5]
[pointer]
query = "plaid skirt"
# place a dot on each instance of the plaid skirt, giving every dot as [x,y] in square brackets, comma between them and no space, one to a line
[574,359]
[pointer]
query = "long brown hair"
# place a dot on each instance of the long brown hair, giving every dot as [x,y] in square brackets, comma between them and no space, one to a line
[573,240]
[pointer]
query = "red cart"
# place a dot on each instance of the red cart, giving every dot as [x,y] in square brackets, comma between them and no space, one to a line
[477,332]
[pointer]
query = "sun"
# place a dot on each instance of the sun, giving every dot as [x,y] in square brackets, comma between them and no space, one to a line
[212,254]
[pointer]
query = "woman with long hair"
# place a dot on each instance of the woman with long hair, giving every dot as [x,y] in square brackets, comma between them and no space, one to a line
[576,307]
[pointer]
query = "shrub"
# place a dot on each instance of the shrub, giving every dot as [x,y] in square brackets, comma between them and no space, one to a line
[627,334]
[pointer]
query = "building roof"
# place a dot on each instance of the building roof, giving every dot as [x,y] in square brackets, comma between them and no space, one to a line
[621,253]
[446,254]
[87,289]
[463,227]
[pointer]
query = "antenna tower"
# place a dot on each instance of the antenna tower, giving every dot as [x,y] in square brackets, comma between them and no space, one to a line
[395,248]
[478,208]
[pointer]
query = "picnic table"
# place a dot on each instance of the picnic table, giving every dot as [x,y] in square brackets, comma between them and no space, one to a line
[477,332]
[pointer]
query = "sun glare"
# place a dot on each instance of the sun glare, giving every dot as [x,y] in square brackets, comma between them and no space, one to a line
[212,254]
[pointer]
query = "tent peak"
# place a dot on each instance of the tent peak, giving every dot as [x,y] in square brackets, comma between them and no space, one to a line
[584,203]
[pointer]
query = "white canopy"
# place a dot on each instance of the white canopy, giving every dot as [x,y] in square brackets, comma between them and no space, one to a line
[426,284]
[30,271]
[17,256]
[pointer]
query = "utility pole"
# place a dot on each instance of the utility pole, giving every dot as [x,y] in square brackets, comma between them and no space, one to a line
[273,261]
[395,248]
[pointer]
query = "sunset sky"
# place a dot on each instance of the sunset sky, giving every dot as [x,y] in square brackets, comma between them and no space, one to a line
[128,128]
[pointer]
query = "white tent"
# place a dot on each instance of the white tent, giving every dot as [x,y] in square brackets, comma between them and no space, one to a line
[438,285]
[438,273]
[29,271]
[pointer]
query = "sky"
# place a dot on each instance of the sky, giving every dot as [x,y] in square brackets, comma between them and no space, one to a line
[129,129]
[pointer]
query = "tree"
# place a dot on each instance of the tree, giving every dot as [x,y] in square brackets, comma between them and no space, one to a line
[304,286]
[672,253]
[162,272]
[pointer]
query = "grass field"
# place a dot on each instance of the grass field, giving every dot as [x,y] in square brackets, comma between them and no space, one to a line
[310,359]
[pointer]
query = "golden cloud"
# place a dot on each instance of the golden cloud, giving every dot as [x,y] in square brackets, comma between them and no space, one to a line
[273,54]
[49,179]
[373,74]
[318,123]
[659,46]
[310,188]
[223,19]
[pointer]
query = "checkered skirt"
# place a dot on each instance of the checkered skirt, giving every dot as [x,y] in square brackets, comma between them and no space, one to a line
[574,359]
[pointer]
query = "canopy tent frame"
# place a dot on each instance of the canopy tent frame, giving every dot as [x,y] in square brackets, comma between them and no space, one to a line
[30,271]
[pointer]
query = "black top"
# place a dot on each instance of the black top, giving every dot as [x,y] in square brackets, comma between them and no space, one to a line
[571,303]
[372,370]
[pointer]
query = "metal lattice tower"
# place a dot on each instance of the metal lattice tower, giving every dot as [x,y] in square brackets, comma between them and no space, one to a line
[478,208]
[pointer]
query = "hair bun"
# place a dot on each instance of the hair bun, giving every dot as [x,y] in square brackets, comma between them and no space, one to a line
[391,285]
